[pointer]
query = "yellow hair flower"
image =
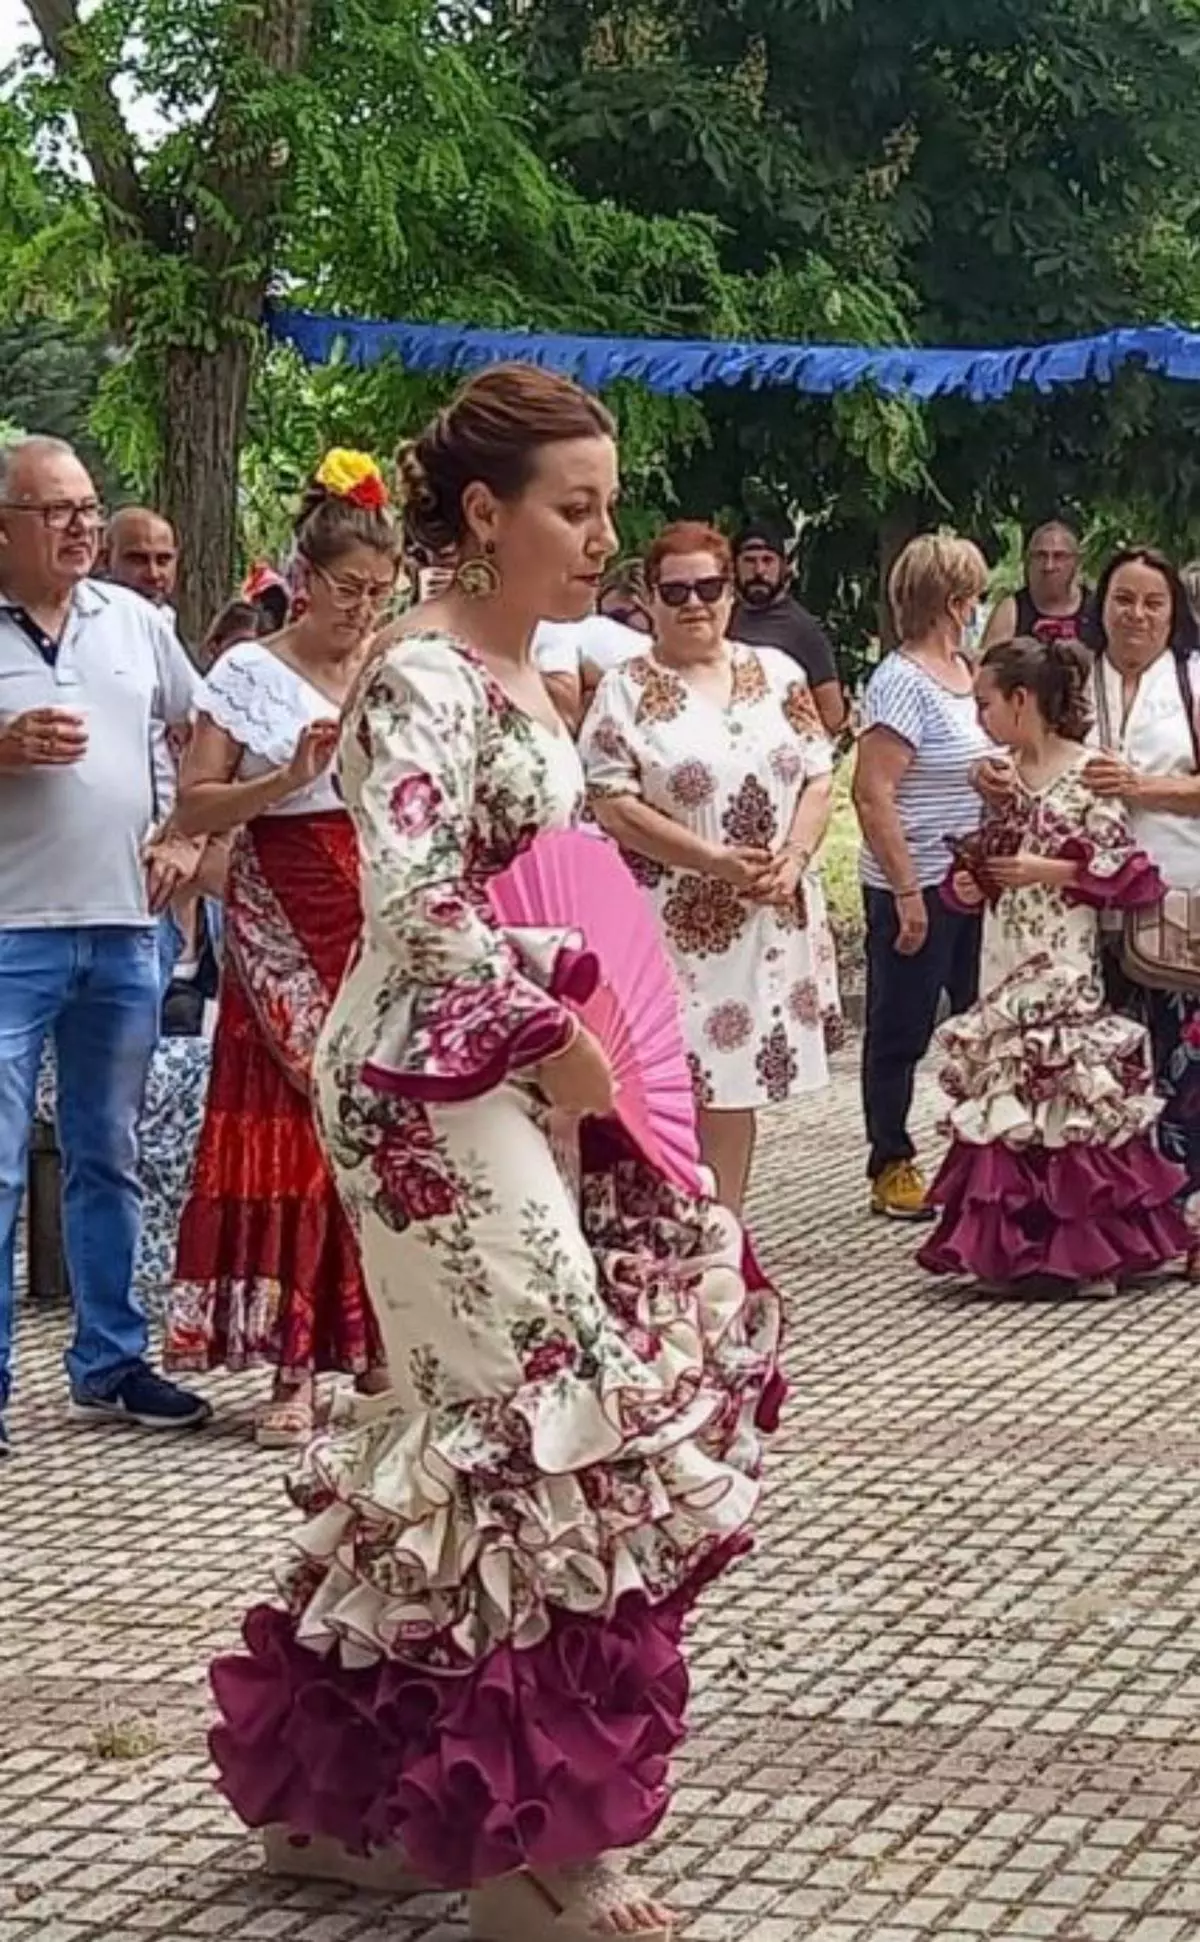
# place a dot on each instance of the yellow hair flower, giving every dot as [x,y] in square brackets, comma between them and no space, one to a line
[352,475]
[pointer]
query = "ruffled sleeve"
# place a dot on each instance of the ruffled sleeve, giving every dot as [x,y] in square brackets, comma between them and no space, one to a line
[252,696]
[466,1014]
[1113,873]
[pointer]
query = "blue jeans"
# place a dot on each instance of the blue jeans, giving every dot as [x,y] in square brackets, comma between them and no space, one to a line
[97,991]
[170,945]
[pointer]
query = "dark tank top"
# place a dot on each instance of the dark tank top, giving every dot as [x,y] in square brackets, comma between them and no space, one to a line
[1082,625]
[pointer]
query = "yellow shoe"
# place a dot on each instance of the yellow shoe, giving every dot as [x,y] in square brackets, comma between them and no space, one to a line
[899,1192]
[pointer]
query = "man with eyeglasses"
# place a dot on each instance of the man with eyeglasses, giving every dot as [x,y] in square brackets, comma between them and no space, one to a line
[767,615]
[89,672]
[1054,604]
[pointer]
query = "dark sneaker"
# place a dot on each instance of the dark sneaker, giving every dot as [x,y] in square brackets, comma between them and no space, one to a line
[5,1445]
[149,1400]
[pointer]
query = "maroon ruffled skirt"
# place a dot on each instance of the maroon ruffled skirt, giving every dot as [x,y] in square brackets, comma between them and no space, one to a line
[537,1758]
[1071,1213]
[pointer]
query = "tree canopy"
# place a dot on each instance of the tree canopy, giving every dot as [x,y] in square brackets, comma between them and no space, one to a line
[1002,171]
[959,171]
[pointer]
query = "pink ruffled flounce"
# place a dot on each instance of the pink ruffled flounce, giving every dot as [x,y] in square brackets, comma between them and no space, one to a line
[527,1758]
[1071,1213]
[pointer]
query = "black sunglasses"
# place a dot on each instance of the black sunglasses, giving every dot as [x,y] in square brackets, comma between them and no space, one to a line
[708,591]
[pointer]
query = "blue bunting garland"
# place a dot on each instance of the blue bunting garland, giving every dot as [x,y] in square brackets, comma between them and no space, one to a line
[691,364]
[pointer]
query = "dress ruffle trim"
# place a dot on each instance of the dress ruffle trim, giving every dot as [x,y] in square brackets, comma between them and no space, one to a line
[480,1661]
[1133,886]
[257,703]
[538,1758]
[462,1040]
[1077,1213]
[1039,1062]
[596,1478]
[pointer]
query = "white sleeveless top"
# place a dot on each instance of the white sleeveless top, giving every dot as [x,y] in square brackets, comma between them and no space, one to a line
[266,706]
[1156,740]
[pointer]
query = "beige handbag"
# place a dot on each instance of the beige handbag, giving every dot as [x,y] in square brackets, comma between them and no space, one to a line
[1160,945]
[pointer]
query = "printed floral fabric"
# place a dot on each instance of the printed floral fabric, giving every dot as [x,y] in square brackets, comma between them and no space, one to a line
[478,1660]
[1041,1059]
[446,788]
[578,1369]
[267,1271]
[759,985]
[291,919]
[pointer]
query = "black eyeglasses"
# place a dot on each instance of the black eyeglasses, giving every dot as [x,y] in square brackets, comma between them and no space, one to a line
[59,514]
[708,591]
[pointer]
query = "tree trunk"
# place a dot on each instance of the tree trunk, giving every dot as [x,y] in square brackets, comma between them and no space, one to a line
[205,410]
[898,527]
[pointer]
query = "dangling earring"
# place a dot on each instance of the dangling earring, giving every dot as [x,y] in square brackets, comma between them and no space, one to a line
[479,577]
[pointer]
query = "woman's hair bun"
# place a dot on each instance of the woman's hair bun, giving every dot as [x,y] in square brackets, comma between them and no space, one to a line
[490,434]
[425,523]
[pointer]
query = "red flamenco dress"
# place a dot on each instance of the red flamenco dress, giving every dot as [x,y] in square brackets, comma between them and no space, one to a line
[267,1268]
[1053,1172]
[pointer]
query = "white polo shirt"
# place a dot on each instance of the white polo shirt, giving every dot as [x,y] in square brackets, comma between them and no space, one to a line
[562,647]
[71,837]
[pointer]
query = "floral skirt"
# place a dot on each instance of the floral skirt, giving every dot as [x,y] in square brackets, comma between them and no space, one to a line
[168,1135]
[478,1658]
[1053,1170]
[267,1269]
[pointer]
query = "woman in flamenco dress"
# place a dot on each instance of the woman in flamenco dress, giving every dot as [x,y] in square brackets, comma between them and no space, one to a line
[267,1267]
[478,1661]
[1053,1174]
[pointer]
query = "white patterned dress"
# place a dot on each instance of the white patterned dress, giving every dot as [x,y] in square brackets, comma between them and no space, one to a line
[1052,1169]
[479,1657]
[759,984]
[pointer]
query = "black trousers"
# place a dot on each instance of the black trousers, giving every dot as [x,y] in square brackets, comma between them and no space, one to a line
[902,1004]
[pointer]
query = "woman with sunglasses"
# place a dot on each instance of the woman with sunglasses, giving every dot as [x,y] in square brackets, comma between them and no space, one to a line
[267,1271]
[708,764]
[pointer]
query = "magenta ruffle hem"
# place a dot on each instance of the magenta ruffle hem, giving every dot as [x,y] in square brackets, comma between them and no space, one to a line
[538,1757]
[1054,1172]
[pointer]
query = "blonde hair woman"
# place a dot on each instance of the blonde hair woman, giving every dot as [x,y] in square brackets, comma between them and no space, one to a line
[912,790]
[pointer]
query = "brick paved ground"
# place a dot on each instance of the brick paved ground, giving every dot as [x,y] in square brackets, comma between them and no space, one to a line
[957,1694]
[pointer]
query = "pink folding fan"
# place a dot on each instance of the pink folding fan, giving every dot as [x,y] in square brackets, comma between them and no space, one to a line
[569,879]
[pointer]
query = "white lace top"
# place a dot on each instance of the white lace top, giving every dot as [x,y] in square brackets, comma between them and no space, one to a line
[266,706]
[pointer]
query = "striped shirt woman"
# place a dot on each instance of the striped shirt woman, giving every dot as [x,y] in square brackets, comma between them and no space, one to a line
[912,790]
[934,798]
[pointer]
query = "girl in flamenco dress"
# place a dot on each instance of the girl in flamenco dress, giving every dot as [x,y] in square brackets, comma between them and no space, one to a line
[477,1664]
[1053,1174]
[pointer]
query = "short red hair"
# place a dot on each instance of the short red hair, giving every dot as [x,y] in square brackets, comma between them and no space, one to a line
[688,536]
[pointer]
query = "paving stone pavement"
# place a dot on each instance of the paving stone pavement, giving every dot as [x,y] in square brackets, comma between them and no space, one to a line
[956,1694]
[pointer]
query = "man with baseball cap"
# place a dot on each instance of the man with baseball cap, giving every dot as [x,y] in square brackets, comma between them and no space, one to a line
[767,615]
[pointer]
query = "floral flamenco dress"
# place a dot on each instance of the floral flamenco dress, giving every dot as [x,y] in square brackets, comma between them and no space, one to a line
[477,1662]
[1053,1173]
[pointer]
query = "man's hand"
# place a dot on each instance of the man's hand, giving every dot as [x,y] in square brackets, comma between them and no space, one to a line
[171,862]
[43,738]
